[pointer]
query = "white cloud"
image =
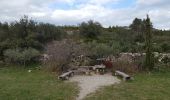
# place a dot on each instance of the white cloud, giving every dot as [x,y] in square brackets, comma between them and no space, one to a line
[79,15]
[159,10]
[150,2]
[102,2]
[38,14]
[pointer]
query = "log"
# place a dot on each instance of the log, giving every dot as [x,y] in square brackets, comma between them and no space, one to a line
[123,75]
[65,76]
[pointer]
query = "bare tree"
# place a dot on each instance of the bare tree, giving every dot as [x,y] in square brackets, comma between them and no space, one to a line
[61,54]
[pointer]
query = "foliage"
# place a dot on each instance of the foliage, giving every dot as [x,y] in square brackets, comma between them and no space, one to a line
[90,29]
[98,50]
[20,56]
[48,32]
[165,47]
[149,60]
[138,26]
[26,33]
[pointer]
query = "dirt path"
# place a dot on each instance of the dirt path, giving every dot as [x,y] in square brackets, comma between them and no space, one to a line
[89,84]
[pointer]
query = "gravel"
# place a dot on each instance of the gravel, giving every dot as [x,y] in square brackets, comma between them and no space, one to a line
[89,84]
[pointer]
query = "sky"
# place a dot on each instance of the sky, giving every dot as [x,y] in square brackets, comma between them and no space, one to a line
[73,12]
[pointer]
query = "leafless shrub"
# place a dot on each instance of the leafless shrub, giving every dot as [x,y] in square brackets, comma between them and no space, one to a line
[61,54]
[125,66]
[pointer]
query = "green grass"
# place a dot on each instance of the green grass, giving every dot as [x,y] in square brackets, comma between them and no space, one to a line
[154,86]
[19,84]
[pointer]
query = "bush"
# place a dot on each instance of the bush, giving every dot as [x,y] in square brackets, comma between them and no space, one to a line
[100,49]
[21,56]
[90,29]
[165,47]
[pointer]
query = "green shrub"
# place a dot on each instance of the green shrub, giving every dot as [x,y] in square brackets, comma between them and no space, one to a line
[165,47]
[90,29]
[21,56]
[101,49]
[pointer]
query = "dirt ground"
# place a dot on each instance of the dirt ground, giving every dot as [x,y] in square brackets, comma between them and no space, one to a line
[89,84]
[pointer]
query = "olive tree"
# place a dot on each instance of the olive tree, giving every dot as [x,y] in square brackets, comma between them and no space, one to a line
[90,29]
[21,56]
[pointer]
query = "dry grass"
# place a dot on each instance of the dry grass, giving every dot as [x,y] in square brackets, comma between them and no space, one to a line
[125,66]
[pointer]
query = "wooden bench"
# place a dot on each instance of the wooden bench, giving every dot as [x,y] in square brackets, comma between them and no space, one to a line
[65,76]
[98,67]
[123,75]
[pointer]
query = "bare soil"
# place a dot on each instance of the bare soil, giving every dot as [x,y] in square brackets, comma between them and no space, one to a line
[89,84]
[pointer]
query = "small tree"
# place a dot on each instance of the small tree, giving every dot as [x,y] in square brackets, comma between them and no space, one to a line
[90,29]
[149,60]
[137,26]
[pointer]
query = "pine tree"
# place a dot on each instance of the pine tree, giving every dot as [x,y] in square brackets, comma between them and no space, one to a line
[149,60]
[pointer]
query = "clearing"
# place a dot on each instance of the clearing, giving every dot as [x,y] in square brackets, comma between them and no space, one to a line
[89,84]
[19,84]
[145,86]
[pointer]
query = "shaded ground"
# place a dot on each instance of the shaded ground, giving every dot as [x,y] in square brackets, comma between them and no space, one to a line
[89,84]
